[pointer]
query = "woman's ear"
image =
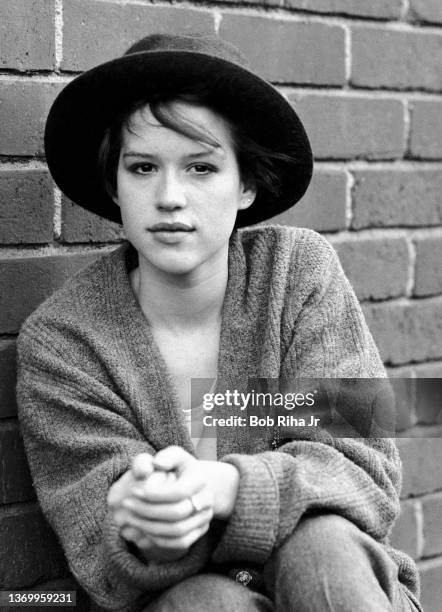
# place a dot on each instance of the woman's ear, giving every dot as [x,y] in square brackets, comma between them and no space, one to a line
[247,197]
[114,197]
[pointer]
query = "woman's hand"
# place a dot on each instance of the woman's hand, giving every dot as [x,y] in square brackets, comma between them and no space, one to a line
[147,534]
[208,479]
[152,502]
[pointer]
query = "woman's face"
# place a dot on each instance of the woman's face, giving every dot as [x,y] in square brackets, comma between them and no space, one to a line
[179,197]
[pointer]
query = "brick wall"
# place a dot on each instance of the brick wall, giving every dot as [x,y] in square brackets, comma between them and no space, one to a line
[365,78]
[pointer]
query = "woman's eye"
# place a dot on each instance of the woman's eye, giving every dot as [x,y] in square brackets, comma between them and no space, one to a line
[142,168]
[202,169]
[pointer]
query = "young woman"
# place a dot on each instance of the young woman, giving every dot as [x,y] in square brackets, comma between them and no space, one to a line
[183,144]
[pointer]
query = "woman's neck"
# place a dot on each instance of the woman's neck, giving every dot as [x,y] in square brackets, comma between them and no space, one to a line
[181,302]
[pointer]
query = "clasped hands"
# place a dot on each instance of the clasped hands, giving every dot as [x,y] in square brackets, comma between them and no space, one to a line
[165,502]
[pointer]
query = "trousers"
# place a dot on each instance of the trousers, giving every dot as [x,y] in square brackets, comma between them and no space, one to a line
[327,564]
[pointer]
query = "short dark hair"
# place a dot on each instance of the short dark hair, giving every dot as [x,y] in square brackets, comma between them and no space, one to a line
[258,165]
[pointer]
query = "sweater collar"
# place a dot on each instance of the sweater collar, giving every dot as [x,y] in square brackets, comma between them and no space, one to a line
[166,425]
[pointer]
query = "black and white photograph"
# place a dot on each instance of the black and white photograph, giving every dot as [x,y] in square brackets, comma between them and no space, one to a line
[221,305]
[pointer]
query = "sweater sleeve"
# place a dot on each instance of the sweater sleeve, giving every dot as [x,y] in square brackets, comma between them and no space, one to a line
[80,437]
[356,477]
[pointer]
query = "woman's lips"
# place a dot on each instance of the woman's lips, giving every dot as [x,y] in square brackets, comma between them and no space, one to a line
[171,227]
[171,233]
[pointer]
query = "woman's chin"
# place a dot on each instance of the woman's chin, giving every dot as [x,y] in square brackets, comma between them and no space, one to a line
[172,265]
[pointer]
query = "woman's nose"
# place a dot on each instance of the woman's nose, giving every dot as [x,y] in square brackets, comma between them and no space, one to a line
[170,194]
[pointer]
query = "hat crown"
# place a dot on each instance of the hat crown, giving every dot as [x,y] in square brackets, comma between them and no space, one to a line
[209,45]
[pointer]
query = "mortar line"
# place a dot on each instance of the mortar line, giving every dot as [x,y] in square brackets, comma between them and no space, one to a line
[383,233]
[18,508]
[57,214]
[354,165]
[407,128]
[19,251]
[358,92]
[36,77]
[420,538]
[405,10]
[402,302]
[411,265]
[425,233]
[349,208]
[22,164]
[58,34]
[218,17]
[399,165]
[436,361]
[348,55]
[7,337]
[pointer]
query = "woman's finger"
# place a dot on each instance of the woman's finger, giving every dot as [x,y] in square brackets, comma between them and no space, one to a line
[133,534]
[142,466]
[178,529]
[166,487]
[169,512]
[172,458]
[156,483]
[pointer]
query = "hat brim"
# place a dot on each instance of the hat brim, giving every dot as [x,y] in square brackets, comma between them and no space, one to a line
[87,106]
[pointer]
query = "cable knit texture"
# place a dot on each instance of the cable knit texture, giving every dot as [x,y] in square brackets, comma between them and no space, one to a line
[94,391]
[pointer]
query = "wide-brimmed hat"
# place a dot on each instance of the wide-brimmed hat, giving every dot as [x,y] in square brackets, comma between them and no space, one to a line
[171,65]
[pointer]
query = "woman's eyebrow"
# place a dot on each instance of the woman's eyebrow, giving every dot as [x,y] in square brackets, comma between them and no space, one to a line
[138,154]
[212,151]
[217,150]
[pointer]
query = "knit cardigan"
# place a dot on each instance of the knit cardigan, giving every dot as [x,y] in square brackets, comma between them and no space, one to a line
[94,391]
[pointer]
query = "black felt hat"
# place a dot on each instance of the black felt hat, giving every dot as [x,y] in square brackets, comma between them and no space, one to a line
[171,65]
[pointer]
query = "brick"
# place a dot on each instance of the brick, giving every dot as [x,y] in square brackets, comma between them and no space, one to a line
[26,206]
[30,551]
[425,130]
[428,277]
[404,389]
[24,106]
[418,394]
[429,11]
[378,9]
[428,370]
[407,531]
[27,32]
[396,198]
[352,126]
[432,511]
[400,371]
[95,31]
[431,584]
[377,268]
[15,479]
[407,331]
[410,60]
[429,394]
[421,459]
[323,208]
[27,281]
[8,406]
[289,52]
[80,225]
